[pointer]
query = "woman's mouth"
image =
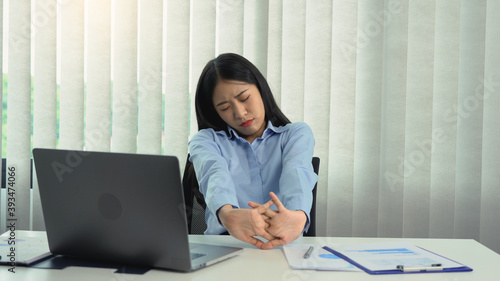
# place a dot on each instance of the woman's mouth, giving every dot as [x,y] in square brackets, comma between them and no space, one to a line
[247,123]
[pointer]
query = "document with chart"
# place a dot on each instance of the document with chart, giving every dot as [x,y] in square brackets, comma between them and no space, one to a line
[394,258]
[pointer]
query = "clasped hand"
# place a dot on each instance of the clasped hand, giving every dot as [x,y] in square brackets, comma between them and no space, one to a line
[279,227]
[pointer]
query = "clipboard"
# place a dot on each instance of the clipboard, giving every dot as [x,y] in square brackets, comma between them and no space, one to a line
[447,266]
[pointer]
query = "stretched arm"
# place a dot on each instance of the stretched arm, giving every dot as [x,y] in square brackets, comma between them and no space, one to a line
[297,175]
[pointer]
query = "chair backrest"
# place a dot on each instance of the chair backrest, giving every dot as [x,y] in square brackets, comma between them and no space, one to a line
[312,226]
[195,202]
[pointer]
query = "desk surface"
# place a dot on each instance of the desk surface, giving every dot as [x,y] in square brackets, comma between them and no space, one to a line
[255,264]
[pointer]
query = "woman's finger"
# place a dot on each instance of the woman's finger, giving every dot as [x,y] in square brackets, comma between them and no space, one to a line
[277,201]
[270,213]
[253,204]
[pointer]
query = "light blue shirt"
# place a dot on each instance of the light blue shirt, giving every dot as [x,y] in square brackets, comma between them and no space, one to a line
[230,170]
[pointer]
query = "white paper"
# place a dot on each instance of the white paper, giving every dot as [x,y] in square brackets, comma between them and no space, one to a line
[320,259]
[27,249]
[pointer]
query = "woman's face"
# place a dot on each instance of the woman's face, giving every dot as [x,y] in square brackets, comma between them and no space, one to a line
[240,105]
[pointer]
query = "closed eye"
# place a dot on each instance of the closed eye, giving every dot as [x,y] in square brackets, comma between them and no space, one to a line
[246,98]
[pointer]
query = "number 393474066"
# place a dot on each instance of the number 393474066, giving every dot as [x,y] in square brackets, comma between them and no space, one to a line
[11,192]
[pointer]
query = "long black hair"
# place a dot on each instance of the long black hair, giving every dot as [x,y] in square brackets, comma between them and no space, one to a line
[232,67]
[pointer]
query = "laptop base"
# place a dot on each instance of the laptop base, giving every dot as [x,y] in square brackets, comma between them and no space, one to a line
[61,262]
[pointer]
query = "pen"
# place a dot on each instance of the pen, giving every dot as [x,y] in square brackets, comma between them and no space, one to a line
[308,253]
[433,267]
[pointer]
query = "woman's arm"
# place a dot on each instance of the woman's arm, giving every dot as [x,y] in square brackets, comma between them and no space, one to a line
[298,177]
[217,186]
[212,173]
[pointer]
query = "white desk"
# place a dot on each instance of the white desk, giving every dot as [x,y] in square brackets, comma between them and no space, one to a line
[255,264]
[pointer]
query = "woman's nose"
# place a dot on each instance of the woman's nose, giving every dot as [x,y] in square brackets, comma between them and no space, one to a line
[239,111]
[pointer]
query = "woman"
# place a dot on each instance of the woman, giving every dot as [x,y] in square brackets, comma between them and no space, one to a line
[248,154]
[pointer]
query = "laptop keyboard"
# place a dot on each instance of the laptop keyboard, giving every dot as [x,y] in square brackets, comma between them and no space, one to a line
[196,255]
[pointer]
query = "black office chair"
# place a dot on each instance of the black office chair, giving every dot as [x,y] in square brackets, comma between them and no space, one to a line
[312,227]
[195,202]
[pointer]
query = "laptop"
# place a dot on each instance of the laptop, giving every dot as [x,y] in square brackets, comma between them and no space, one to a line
[119,208]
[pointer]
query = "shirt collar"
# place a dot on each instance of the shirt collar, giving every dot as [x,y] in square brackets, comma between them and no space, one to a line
[269,131]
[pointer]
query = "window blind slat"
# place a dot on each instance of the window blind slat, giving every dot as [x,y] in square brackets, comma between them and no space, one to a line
[124,61]
[177,101]
[98,72]
[444,132]
[19,120]
[366,54]
[274,48]
[256,17]
[45,75]
[44,89]
[470,120]
[418,139]
[230,26]
[318,46]
[150,78]
[293,60]
[393,110]
[203,24]
[71,100]
[341,121]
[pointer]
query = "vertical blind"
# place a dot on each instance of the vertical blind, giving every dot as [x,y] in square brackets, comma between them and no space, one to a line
[403,97]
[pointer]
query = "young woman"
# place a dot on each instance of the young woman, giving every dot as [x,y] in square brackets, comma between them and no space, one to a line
[248,157]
